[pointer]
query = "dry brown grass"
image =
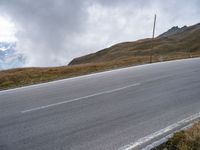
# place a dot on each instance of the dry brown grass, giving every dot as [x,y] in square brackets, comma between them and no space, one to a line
[184,140]
[117,56]
[181,44]
[27,76]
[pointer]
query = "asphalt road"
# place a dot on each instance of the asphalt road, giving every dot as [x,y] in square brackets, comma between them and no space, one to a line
[103,111]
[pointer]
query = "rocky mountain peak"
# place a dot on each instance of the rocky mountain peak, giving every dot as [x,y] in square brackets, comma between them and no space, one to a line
[172,31]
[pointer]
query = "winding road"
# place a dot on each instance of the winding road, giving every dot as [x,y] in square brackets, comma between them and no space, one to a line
[104,111]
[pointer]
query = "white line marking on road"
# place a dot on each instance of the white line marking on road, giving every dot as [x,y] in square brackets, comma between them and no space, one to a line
[80,98]
[152,136]
[164,139]
[97,73]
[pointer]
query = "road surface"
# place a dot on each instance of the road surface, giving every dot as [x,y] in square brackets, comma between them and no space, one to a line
[103,111]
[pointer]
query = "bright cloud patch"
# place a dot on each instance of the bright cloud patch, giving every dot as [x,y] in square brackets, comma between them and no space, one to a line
[7,30]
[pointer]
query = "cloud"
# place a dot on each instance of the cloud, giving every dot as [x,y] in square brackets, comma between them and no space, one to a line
[54,32]
[7,30]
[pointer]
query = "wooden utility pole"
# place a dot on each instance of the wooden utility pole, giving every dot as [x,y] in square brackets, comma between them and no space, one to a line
[153,36]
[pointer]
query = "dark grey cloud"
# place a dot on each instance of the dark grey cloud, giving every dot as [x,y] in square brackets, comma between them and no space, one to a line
[53,32]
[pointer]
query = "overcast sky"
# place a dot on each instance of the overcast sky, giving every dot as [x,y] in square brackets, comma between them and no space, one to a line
[53,32]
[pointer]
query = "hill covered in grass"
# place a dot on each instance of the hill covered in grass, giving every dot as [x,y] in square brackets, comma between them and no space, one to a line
[175,43]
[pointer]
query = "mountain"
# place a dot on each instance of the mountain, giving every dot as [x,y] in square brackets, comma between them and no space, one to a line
[176,45]
[173,31]
[173,44]
[9,58]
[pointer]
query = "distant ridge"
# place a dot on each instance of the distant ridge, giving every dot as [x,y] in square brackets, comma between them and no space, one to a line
[174,30]
[176,42]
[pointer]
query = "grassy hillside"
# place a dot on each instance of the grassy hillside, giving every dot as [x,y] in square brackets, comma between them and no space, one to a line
[162,48]
[176,46]
[26,76]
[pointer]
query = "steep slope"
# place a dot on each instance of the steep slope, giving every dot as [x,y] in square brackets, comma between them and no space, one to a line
[176,42]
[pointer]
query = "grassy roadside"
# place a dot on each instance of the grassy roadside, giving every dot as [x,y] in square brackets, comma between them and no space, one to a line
[27,76]
[184,140]
[181,45]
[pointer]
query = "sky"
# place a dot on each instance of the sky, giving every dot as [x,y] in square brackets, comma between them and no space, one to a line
[53,32]
[7,30]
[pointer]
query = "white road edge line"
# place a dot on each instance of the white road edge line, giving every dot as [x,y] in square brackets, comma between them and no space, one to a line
[164,139]
[97,73]
[152,136]
[80,98]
